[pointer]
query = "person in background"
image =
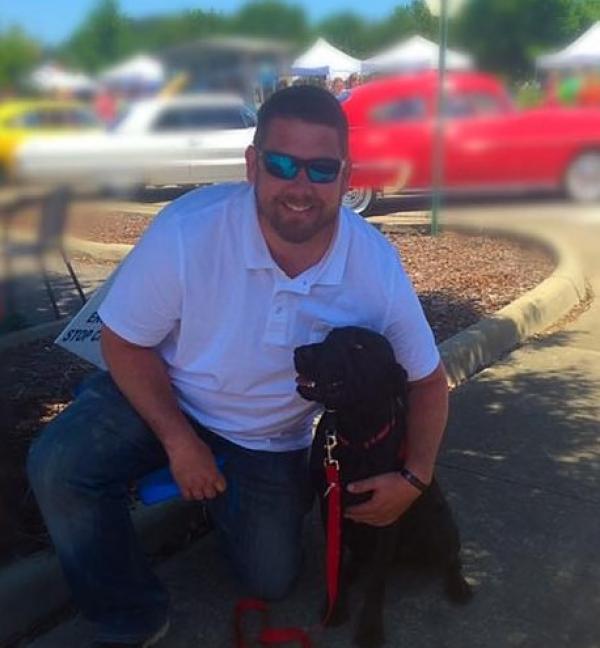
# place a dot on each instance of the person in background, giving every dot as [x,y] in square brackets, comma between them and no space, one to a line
[589,93]
[337,86]
[106,106]
[551,89]
[569,88]
[353,80]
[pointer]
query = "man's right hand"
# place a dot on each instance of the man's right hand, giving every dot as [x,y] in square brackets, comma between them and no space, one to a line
[195,471]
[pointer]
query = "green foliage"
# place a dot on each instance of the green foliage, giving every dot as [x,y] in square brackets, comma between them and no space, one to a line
[271,19]
[586,12]
[405,21]
[529,96]
[362,39]
[349,32]
[155,33]
[503,35]
[506,35]
[18,54]
[100,40]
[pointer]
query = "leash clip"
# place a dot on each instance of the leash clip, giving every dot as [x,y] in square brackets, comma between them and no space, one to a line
[331,440]
[331,443]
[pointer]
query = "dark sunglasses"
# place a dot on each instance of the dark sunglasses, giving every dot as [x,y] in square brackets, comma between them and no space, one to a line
[287,167]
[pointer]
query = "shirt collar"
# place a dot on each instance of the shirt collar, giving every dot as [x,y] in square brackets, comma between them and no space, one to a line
[255,250]
[329,271]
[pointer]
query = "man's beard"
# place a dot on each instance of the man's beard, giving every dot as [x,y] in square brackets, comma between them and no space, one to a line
[296,228]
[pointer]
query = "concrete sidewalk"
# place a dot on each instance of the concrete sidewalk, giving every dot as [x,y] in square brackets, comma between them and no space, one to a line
[521,467]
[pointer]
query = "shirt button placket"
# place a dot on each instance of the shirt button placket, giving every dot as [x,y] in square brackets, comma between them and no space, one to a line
[277,324]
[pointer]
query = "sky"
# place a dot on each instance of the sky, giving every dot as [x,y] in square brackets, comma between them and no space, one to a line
[53,21]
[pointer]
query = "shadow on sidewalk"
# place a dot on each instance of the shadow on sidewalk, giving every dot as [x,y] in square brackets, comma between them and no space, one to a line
[522,462]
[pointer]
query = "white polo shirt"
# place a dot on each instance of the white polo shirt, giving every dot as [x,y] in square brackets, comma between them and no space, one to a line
[201,286]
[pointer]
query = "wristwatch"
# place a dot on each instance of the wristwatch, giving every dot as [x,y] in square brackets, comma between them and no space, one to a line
[412,479]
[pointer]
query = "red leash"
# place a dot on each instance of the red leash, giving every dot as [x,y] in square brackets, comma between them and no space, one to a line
[274,636]
[268,636]
[334,519]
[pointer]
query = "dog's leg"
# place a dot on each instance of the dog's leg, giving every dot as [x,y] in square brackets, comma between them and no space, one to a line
[369,632]
[457,588]
[446,544]
[353,568]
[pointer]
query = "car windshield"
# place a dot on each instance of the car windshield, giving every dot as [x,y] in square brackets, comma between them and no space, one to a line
[400,110]
[55,117]
[183,118]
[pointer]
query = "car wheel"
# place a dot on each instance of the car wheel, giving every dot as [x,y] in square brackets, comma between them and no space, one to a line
[360,199]
[582,181]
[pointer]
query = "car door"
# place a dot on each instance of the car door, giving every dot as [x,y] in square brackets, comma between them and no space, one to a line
[397,135]
[219,141]
[165,152]
[488,145]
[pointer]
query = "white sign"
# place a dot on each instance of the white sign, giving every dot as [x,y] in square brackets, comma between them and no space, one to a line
[82,334]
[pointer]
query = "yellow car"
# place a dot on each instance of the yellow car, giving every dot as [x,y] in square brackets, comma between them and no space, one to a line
[23,118]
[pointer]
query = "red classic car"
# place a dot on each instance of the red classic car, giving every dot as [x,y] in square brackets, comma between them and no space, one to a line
[489,145]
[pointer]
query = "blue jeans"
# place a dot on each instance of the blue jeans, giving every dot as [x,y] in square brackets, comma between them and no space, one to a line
[80,468]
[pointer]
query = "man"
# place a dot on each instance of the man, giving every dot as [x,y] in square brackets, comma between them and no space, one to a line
[337,87]
[200,328]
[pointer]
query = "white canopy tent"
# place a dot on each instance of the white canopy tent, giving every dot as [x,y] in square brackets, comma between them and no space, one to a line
[141,70]
[584,52]
[323,59]
[51,77]
[415,53]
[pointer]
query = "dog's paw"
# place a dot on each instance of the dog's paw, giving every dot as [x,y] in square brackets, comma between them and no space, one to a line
[458,590]
[369,636]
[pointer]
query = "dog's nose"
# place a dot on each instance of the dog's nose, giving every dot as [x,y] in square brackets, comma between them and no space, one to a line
[303,356]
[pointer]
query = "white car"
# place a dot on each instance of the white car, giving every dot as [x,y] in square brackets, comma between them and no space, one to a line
[189,139]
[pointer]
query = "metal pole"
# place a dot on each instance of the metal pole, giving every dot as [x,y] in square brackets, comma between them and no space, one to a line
[438,141]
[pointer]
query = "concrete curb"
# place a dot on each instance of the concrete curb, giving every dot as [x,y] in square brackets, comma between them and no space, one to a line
[33,589]
[100,251]
[492,337]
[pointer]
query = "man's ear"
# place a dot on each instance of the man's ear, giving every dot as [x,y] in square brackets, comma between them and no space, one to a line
[251,156]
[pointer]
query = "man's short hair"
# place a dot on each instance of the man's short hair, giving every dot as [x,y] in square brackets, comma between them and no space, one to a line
[308,103]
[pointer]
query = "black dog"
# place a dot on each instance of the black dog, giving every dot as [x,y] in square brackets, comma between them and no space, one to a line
[354,374]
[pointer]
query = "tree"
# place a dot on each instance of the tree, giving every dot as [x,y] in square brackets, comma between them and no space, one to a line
[506,35]
[406,21]
[271,19]
[349,32]
[160,32]
[18,54]
[100,40]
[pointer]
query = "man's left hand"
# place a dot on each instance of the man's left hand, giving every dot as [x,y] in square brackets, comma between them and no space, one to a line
[392,496]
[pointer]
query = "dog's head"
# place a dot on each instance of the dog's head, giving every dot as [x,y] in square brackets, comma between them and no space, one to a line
[352,367]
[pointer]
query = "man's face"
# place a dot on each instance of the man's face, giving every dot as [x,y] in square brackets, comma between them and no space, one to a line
[297,210]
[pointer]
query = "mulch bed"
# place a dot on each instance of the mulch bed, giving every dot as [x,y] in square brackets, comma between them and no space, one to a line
[459,279]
